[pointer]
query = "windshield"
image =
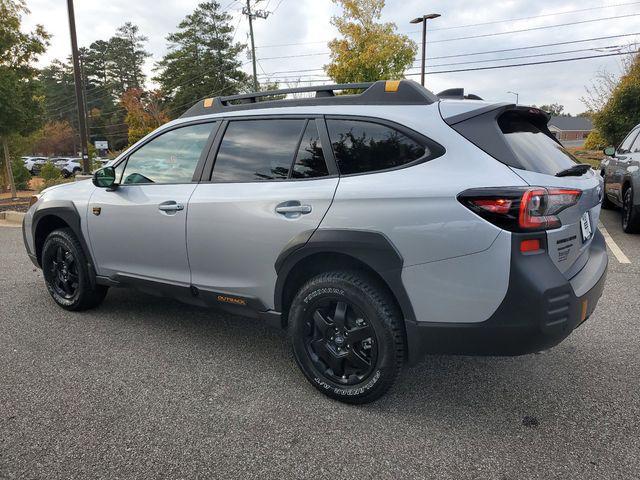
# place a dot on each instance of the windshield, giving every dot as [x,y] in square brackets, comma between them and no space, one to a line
[535,150]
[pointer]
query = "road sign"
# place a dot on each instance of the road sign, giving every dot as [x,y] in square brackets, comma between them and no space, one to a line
[101,144]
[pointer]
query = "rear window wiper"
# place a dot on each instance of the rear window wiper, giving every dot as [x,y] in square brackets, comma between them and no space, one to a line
[575,171]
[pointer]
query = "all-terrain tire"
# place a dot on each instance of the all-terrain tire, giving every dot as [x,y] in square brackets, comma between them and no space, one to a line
[66,272]
[361,302]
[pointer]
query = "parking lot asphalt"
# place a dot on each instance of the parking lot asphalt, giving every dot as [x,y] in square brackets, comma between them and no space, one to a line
[145,387]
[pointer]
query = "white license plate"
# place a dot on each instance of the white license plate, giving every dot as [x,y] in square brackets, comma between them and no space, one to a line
[585,226]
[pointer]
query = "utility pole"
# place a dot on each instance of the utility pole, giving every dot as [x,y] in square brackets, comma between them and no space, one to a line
[77,79]
[9,168]
[252,16]
[423,19]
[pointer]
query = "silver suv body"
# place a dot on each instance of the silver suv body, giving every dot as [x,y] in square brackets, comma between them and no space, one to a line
[376,227]
[620,170]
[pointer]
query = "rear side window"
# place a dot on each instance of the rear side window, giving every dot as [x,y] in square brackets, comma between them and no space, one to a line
[361,146]
[534,150]
[257,150]
[310,161]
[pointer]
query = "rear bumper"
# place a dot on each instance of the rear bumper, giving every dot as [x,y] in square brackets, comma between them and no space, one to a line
[541,308]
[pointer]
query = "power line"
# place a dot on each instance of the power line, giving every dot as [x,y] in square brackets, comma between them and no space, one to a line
[531,29]
[493,22]
[476,25]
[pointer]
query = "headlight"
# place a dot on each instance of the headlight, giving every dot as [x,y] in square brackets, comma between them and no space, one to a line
[33,199]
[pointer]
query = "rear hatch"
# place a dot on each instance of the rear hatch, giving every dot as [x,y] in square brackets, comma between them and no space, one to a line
[519,138]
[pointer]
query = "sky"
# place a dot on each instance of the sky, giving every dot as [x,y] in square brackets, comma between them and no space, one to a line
[495,25]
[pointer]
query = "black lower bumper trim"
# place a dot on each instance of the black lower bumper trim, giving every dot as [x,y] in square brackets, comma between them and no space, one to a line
[539,310]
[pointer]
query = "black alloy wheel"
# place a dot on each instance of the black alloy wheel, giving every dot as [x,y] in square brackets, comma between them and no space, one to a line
[64,273]
[348,335]
[630,213]
[341,342]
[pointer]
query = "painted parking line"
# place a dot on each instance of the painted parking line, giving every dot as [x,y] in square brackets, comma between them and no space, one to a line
[613,246]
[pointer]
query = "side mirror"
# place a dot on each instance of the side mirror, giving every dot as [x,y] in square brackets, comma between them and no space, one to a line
[105,177]
[610,151]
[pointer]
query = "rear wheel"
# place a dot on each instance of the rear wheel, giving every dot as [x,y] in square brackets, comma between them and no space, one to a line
[66,274]
[630,213]
[347,336]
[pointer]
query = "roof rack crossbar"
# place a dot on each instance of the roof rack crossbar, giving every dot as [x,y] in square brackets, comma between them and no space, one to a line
[399,92]
[252,97]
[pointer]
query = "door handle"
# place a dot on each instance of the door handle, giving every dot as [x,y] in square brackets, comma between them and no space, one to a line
[304,209]
[293,209]
[170,206]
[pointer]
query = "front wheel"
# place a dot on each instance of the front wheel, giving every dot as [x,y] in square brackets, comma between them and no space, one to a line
[347,336]
[66,273]
[630,213]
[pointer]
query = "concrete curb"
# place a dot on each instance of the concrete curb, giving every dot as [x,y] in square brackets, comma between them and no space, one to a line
[12,217]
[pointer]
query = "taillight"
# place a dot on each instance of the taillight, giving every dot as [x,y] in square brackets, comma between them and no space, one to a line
[520,209]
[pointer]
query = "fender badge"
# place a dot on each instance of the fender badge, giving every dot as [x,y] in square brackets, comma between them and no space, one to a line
[97,210]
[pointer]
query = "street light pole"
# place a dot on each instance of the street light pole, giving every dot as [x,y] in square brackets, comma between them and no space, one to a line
[517,96]
[423,19]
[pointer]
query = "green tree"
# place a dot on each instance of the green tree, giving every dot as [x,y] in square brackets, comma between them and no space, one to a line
[125,56]
[202,59]
[20,109]
[554,109]
[368,50]
[622,111]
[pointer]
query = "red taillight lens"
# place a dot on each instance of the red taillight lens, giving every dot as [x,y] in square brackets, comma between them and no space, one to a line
[493,205]
[521,208]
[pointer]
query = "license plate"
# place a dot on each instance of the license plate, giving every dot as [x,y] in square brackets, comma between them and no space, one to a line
[585,226]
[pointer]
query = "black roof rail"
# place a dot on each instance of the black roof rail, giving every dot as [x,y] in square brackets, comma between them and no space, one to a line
[457,94]
[390,92]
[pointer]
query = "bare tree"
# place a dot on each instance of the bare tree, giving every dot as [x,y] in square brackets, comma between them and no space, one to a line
[604,82]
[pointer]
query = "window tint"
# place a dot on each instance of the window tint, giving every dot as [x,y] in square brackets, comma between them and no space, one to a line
[535,151]
[170,158]
[625,146]
[361,146]
[310,159]
[257,150]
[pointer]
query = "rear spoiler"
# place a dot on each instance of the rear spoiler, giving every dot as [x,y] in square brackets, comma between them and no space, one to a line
[481,127]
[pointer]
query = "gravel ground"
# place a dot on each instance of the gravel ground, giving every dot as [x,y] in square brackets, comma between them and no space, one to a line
[148,388]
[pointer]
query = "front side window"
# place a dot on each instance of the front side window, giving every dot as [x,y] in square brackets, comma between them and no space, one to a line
[257,150]
[625,146]
[170,158]
[361,146]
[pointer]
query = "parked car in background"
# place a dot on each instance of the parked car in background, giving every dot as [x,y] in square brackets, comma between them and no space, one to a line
[621,172]
[68,166]
[34,164]
[376,227]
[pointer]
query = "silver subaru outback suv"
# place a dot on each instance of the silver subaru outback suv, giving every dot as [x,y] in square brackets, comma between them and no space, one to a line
[375,226]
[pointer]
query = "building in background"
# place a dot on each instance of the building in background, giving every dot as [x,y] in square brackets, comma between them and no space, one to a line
[571,131]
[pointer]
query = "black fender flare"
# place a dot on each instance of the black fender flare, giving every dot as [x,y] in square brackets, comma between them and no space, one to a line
[67,212]
[373,249]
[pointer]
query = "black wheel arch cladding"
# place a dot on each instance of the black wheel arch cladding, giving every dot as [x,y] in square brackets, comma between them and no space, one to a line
[371,248]
[65,211]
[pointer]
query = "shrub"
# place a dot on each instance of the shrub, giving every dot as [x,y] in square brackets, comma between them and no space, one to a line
[622,111]
[595,141]
[21,175]
[49,172]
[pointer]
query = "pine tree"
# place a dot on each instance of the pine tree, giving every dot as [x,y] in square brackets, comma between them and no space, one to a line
[202,59]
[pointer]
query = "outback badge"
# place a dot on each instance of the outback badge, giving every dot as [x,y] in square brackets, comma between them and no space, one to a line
[97,210]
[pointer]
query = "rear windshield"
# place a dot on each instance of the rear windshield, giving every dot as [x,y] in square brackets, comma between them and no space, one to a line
[535,150]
